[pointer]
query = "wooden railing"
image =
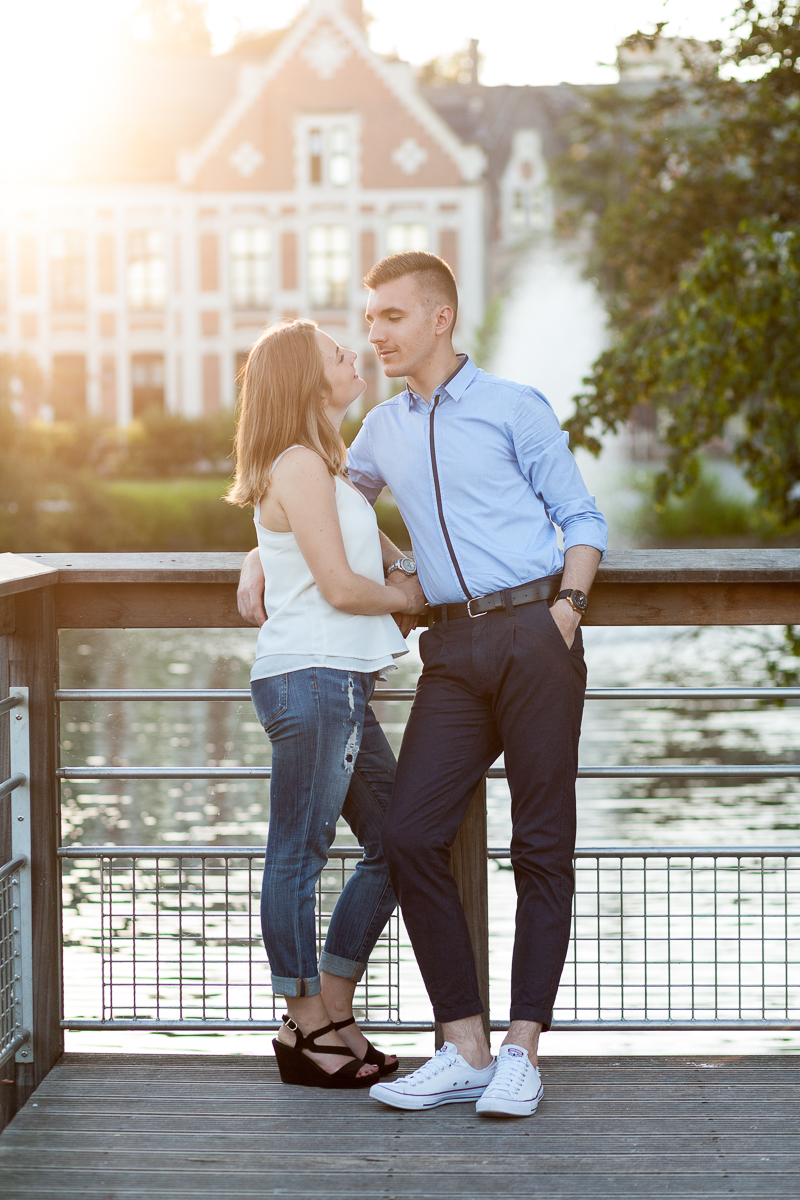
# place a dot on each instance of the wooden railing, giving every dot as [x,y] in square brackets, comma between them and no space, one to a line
[43,593]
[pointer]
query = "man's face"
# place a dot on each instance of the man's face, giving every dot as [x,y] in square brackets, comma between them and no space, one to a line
[403,323]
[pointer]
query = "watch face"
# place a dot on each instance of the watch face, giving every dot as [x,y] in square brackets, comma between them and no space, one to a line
[408,565]
[579,600]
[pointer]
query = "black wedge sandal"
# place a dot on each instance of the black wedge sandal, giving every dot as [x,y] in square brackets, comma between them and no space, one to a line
[295,1067]
[373,1057]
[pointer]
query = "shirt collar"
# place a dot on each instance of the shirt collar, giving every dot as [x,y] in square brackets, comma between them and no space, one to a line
[455,385]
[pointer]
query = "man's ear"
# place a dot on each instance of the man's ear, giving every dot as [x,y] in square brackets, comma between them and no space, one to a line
[444,320]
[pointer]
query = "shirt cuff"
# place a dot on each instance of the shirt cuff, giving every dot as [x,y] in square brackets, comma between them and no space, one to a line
[586,532]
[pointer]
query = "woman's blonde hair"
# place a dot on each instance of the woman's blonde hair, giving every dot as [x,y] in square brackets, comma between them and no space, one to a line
[283,390]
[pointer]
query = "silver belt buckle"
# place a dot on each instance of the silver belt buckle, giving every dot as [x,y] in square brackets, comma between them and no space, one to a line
[470,613]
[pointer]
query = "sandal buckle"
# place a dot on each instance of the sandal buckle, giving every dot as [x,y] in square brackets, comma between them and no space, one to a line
[291,1024]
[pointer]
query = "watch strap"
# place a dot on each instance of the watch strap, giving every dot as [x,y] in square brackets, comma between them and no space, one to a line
[567,594]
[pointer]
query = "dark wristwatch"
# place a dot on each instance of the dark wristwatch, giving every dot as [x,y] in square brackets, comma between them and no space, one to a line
[404,564]
[578,600]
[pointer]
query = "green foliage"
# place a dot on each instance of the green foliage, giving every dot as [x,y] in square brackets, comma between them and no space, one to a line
[695,192]
[723,345]
[707,513]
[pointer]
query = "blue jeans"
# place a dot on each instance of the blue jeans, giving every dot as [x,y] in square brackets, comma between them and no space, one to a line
[330,758]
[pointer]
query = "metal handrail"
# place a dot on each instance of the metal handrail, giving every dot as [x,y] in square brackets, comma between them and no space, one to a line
[405,694]
[494,852]
[787,771]
[9,785]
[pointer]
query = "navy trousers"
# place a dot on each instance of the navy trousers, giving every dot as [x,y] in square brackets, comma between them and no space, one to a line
[502,682]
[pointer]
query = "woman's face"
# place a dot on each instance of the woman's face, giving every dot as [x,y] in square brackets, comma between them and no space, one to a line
[346,385]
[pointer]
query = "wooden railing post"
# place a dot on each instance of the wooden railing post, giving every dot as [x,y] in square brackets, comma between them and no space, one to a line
[29,658]
[469,866]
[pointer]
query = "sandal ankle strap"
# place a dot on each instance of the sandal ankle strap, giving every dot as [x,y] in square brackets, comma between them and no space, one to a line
[306,1041]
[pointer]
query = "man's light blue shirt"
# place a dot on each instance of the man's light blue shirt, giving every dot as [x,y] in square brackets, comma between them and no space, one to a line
[505,477]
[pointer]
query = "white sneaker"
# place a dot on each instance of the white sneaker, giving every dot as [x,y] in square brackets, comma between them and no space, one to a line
[516,1088]
[447,1078]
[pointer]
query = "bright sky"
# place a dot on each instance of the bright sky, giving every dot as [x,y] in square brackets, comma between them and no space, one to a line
[50,49]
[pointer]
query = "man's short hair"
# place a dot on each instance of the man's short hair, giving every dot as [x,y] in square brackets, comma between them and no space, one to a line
[435,276]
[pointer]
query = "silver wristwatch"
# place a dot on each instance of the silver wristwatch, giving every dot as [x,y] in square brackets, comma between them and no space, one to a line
[404,564]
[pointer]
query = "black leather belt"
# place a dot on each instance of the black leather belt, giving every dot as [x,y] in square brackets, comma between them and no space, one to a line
[527,593]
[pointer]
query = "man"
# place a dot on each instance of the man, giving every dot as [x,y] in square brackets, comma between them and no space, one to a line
[481,473]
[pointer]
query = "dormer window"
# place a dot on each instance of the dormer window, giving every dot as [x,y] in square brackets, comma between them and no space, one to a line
[340,156]
[329,146]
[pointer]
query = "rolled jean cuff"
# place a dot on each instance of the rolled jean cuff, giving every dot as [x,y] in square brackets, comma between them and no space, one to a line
[293,988]
[528,1012]
[346,968]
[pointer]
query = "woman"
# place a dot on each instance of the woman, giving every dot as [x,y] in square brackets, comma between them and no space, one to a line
[329,634]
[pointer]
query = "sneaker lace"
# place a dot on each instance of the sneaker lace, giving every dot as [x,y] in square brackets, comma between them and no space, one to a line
[510,1073]
[432,1067]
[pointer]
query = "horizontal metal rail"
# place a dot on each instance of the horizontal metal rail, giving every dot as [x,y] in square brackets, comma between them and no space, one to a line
[11,784]
[234,695]
[787,771]
[9,703]
[15,1045]
[428,1026]
[494,852]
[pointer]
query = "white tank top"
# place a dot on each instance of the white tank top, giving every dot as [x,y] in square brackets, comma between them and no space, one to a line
[303,630]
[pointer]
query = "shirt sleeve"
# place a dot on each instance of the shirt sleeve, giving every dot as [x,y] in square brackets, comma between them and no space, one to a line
[546,461]
[362,468]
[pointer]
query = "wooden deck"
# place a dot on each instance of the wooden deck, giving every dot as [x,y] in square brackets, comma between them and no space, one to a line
[112,1125]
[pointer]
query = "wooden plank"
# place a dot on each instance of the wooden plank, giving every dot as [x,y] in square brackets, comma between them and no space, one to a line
[212,605]
[481,1141]
[144,568]
[31,655]
[493,1164]
[765,602]
[376,1122]
[190,1180]
[7,615]
[200,605]
[19,574]
[619,566]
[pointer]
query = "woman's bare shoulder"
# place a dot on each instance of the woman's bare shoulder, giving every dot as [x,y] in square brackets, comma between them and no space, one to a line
[302,465]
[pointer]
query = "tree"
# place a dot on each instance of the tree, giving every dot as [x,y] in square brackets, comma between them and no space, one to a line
[695,193]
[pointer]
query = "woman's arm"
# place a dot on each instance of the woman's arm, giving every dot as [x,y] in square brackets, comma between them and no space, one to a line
[305,491]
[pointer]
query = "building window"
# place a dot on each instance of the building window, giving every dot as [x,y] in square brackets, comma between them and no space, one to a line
[68,386]
[251,267]
[330,155]
[67,272]
[315,156]
[106,273]
[147,377]
[340,168]
[27,265]
[402,238]
[147,270]
[329,266]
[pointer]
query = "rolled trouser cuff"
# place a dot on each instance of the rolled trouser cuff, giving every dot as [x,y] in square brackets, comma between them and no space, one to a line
[292,989]
[460,1013]
[529,1012]
[345,968]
